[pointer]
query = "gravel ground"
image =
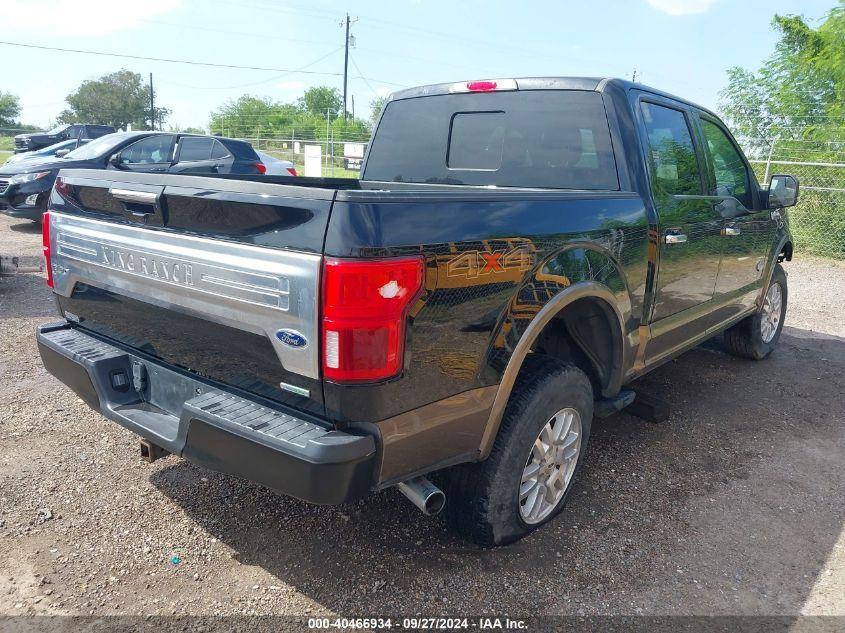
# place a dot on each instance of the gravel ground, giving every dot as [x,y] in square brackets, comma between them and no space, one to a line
[732,506]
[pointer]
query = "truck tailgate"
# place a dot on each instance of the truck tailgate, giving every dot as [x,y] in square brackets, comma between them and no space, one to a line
[201,273]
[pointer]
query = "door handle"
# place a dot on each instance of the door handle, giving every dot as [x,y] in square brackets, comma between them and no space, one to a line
[675,238]
[731,230]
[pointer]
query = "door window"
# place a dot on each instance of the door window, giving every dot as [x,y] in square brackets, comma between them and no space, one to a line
[730,170]
[219,151]
[195,148]
[672,162]
[153,149]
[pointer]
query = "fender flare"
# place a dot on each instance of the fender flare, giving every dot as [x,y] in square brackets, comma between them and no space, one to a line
[581,290]
[770,268]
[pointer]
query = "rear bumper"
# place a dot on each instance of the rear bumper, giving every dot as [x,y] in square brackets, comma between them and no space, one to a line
[210,426]
[26,213]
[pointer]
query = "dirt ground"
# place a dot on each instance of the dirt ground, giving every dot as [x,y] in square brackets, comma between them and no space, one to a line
[732,506]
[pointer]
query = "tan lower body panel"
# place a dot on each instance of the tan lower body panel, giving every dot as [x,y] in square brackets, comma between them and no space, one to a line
[434,434]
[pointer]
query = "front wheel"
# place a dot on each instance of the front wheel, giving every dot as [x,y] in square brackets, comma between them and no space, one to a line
[529,474]
[756,336]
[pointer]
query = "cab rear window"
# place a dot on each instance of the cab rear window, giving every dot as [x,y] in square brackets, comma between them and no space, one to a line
[548,139]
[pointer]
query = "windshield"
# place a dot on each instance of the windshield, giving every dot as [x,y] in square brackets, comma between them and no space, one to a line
[58,129]
[98,147]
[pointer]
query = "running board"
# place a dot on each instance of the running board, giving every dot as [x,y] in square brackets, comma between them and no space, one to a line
[639,404]
[605,407]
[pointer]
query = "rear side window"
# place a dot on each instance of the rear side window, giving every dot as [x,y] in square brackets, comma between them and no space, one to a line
[193,148]
[535,138]
[96,131]
[219,150]
[672,162]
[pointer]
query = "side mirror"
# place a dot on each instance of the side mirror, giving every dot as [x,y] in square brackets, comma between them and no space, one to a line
[62,152]
[783,191]
[116,161]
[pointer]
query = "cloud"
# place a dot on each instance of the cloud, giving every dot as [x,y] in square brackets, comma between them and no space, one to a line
[292,86]
[682,7]
[80,17]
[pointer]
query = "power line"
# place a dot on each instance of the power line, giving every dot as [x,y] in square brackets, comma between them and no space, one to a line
[184,61]
[352,59]
[263,81]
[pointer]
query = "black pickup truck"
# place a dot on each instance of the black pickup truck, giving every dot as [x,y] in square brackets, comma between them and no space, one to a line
[36,140]
[516,252]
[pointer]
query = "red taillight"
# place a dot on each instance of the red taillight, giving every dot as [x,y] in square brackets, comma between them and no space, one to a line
[62,187]
[45,240]
[262,169]
[291,171]
[365,306]
[481,86]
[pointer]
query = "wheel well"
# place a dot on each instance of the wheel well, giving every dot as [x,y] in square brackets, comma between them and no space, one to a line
[585,333]
[785,252]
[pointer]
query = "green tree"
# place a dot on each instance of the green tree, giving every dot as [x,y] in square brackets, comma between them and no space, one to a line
[118,99]
[375,108]
[320,100]
[797,96]
[10,108]
[262,118]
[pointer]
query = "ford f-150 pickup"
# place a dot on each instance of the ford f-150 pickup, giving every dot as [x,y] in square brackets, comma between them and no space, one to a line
[515,253]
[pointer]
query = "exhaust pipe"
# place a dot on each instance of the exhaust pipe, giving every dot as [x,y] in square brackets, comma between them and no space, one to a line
[423,494]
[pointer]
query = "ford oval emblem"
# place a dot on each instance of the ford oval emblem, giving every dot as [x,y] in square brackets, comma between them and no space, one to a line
[292,338]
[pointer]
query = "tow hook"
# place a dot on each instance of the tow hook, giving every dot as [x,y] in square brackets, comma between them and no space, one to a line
[151,452]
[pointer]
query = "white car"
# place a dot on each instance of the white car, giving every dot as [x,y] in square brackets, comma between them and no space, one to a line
[56,150]
[276,166]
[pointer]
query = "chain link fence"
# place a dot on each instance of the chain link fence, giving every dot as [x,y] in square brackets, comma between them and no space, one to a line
[818,220]
[338,158]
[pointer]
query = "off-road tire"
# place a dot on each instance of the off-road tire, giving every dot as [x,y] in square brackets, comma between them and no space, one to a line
[482,499]
[745,338]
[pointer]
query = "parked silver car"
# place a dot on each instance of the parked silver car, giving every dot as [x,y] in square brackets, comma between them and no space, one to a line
[56,150]
[276,166]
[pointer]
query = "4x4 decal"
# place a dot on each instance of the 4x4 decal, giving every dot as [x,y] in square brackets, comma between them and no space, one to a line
[474,264]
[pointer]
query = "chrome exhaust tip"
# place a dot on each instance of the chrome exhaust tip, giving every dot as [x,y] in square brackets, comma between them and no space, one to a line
[423,494]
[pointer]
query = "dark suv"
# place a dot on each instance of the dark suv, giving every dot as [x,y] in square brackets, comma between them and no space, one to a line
[37,140]
[25,186]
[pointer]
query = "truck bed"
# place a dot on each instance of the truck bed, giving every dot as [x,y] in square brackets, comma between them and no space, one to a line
[253,249]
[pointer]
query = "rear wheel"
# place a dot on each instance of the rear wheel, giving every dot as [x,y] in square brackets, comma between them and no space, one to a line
[756,336]
[526,480]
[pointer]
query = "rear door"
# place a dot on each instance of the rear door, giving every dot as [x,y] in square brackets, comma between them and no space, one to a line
[748,231]
[689,227]
[224,160]
[193,156]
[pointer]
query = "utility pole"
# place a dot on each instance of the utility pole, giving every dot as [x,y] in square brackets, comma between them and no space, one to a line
[346,43]
[152,105]
[634,78]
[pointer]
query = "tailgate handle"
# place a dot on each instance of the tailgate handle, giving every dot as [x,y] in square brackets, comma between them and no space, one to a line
[129,195]
[138,204]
